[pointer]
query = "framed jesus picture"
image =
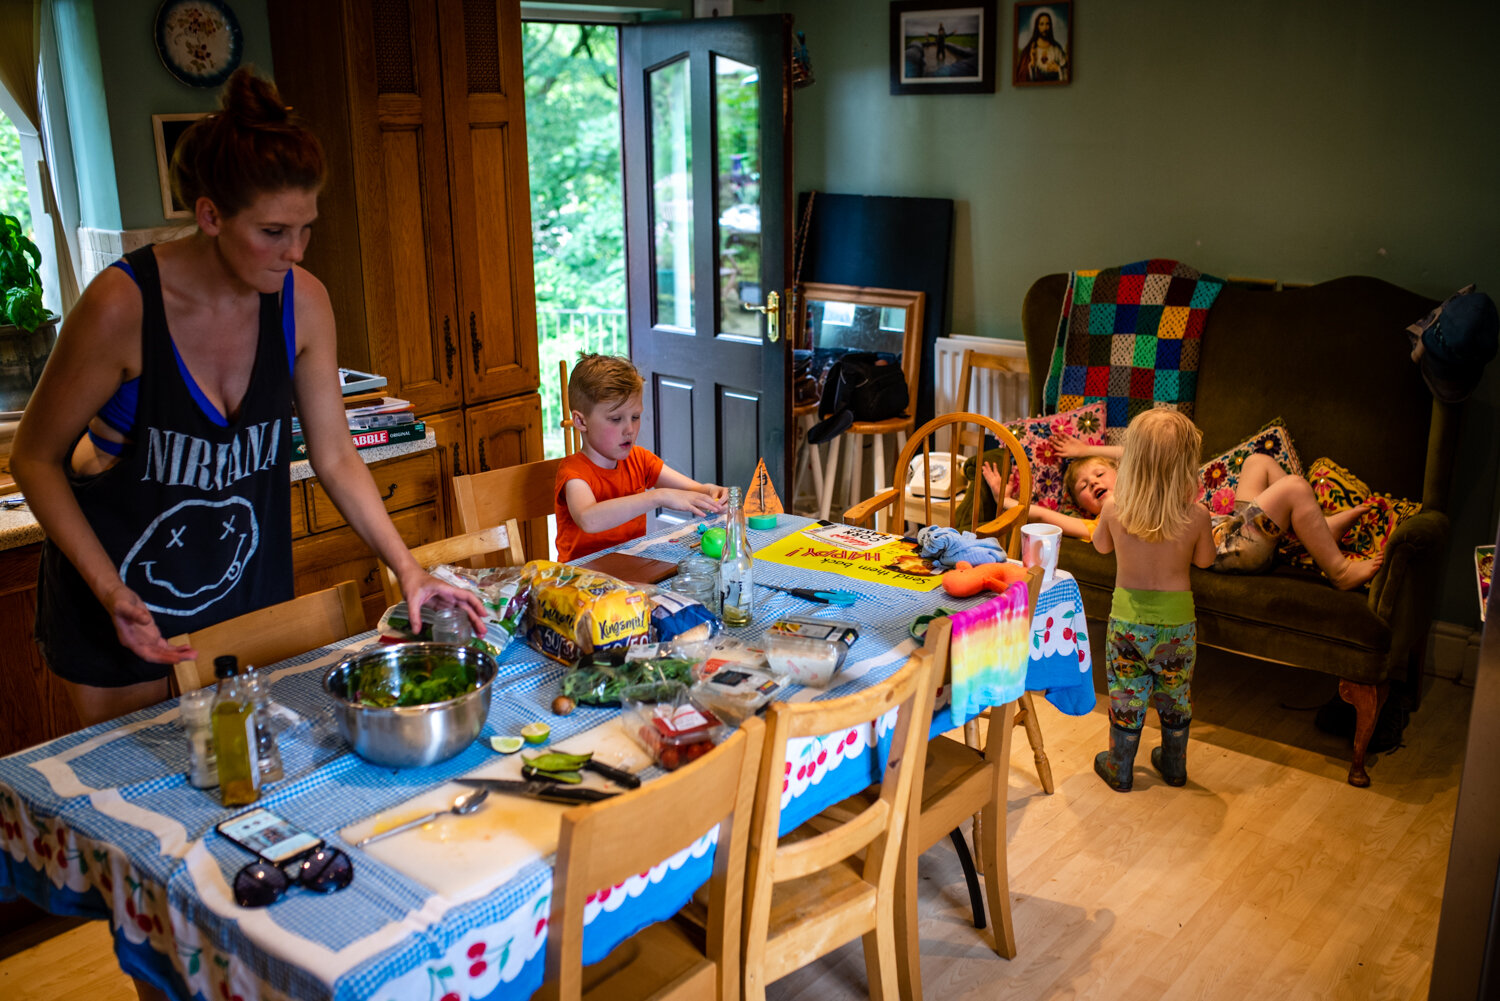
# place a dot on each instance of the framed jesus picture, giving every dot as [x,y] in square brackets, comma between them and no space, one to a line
[1044,44]
[942,47]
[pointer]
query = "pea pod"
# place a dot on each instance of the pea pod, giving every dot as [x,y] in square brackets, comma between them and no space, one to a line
[558,761]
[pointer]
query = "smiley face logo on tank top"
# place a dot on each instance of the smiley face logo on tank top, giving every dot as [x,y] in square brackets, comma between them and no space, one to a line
[192,555]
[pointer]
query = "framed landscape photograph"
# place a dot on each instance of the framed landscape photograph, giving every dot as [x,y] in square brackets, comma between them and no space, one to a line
[1044,44]
[942,48]
[167,129]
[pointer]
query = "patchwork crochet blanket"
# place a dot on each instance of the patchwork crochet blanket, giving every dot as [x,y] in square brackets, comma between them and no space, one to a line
[1130,336]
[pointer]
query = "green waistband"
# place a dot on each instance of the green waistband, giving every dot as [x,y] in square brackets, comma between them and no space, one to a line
[1153,608]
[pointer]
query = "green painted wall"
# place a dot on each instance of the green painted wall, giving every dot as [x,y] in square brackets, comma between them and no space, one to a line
[1267,138]
[139,86]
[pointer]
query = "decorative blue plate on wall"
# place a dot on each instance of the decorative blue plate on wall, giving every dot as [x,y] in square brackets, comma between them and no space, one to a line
[198,40]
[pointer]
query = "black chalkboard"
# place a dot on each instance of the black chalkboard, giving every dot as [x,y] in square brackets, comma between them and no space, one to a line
[885,242]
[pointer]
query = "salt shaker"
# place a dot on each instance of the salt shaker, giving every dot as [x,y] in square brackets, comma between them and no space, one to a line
[196,708]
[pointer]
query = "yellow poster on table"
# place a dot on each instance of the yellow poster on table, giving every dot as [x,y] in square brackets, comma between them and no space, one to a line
[855,552]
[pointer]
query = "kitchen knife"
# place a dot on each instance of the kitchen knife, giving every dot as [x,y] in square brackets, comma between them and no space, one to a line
[550,791]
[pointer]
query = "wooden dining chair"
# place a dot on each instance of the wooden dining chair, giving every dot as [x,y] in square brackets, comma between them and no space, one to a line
[270,634]
[975,363]
[524,492]
[604,844]
[504,540]
[809,893]
[960,434]
[956,782]
[572,440]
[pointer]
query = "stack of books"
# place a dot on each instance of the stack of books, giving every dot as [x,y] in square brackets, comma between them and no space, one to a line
[373,420]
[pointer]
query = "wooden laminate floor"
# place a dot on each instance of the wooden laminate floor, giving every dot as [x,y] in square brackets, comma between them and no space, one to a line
[1267,876]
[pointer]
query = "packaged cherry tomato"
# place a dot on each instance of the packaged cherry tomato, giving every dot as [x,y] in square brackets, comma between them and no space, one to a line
[668,725]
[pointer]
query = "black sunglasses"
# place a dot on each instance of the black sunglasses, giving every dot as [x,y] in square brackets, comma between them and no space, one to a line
[262,883]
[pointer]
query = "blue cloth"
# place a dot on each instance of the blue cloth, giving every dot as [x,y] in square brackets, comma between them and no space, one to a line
[949,546]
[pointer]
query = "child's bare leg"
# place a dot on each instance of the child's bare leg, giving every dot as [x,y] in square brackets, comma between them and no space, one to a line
[1258,473]
[1290,502]
[1341,521]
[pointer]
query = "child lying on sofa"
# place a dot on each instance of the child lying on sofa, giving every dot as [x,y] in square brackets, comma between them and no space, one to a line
[1266,501]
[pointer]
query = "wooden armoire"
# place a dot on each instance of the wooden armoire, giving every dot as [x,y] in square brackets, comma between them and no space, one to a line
[424,230]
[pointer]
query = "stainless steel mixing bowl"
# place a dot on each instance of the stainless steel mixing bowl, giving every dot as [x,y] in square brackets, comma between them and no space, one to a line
[410,736]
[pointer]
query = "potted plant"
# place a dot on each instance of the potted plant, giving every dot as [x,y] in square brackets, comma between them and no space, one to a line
[27,330]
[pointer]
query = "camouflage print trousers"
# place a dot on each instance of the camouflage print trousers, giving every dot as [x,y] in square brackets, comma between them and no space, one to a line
[1150,666]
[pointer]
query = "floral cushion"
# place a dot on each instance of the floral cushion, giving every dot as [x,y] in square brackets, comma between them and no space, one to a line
[1035,435]
[1337,489]
[1219,476]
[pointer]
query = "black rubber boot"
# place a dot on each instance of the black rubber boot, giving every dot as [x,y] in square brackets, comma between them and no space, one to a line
[1116,766]
[1171,757]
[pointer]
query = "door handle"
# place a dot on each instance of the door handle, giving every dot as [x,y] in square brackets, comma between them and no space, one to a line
[458,466]
[474,342]
[448,349]
[389,492]
[484,466]
[772,309]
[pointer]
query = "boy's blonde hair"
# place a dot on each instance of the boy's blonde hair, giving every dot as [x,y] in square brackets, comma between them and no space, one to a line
[1076,468]
[1158,477]
[602,379]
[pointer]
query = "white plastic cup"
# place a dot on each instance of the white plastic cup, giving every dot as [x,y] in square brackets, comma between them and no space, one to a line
[1039,547]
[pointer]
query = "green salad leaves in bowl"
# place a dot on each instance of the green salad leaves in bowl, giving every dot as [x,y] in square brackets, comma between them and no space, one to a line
[411,704]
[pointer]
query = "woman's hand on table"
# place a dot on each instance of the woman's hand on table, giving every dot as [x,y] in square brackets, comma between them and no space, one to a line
[138,631]
[421,587]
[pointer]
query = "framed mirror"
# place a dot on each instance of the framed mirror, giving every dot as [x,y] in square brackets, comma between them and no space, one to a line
[840,318]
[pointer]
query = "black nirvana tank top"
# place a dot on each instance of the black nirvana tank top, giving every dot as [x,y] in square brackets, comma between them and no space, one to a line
[196,515]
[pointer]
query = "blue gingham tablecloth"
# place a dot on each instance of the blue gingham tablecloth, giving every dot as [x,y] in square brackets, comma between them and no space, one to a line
[102,823]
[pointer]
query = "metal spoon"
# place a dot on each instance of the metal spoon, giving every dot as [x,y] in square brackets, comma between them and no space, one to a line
[463,804]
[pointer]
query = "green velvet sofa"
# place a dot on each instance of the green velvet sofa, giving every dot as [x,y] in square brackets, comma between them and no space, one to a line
[1333,360]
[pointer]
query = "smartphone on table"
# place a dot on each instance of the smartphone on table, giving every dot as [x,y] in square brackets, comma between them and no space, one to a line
[267,835]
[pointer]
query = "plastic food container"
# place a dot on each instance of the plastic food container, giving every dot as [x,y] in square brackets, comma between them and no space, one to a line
[736,693]
[673,729]
[805,660]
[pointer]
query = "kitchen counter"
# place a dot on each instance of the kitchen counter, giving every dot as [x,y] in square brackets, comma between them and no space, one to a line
[19,528]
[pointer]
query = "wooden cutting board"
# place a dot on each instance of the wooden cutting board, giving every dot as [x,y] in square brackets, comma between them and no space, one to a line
[464,858]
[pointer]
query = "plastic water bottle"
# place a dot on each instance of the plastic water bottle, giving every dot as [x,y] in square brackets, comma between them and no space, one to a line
[736,567]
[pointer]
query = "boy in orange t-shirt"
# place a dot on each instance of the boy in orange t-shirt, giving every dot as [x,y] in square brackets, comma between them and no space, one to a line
[605,490]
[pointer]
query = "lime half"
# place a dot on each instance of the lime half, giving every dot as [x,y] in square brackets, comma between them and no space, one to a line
[506,745]
[536,733]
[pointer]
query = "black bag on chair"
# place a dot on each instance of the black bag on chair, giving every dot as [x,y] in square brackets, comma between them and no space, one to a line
[861,386]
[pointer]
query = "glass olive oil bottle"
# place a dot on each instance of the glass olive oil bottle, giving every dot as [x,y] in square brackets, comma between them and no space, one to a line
[234,735]
[736,567]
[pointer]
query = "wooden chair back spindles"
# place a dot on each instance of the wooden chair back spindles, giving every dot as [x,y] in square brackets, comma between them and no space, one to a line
[501,541]
[809,895]
[962,434]
[272,634]
[604,844]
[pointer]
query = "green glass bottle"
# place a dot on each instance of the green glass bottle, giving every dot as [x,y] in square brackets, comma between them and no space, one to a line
[736,567]
[234,735]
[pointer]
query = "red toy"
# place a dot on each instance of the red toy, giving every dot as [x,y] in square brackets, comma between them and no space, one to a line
[966,580]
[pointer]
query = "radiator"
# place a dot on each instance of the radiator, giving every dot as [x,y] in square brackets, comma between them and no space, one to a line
[1004,396]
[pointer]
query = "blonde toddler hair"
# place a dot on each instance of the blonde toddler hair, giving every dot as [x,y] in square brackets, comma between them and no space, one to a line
[1158,478]
[602,379]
